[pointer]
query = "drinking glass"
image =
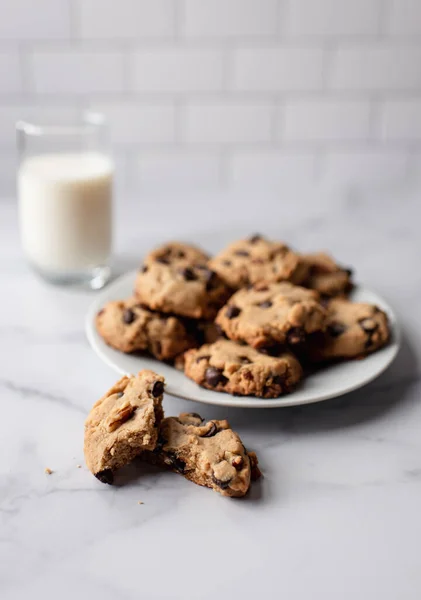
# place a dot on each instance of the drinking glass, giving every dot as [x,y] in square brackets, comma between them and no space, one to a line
[65,190]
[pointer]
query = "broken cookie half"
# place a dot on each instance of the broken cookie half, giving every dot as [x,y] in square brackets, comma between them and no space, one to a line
[208,453]
[123,423]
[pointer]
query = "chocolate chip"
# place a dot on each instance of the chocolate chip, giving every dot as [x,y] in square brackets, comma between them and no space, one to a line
[129,316]
[226,263]
[237,462]
[214,376]
[211,431]
[176,463]
[101,312]
[188,274]
[335,329]
[265,304]
[349,271]
[248,376]
[181,254]
[255,238]
[232,311]
[195,416]
[204,357]
[222,484]
[295,335]
[242,253]
[157,389]
[143,269]
[369,325]
[245,360]
[163,260]
[105,476]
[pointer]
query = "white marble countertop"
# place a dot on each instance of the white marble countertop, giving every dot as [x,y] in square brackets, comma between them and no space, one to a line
[337,513]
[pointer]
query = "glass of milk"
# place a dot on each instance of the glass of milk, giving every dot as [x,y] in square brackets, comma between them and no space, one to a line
[65,188]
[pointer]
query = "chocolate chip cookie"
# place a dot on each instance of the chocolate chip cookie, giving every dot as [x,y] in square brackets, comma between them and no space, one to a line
[123,423]
[226,366]
[208,453]
[326,276]
[177,279]
[276,313]
[129,327]
[353,330]
[256,260]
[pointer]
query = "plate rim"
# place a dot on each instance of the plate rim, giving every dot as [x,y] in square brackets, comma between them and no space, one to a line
[228,399]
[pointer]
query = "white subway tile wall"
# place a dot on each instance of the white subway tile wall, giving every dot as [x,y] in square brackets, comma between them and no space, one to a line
[223,93]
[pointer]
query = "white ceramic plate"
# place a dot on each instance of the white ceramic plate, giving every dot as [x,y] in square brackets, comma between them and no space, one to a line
[333,381]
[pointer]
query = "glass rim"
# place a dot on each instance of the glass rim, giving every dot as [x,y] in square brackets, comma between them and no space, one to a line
[89,121]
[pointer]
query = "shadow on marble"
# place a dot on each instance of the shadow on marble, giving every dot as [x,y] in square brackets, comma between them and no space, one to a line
[144,477]
[368,403]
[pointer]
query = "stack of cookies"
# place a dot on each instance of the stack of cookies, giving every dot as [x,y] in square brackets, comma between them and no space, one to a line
[245,321]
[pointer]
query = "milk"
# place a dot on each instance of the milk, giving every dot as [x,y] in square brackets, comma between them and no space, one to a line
[65,210]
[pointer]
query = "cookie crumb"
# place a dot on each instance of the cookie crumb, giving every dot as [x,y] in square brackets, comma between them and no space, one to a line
[140,502]
[48,471]
[78,466]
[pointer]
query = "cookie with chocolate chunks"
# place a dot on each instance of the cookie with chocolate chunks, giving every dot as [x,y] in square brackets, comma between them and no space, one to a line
[227,366]
[353,330]
[257,260]
[275,313]
[176,278]
[123,423]
[128,326]
[208,453]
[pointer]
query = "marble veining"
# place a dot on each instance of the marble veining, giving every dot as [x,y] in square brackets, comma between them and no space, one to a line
[336,515]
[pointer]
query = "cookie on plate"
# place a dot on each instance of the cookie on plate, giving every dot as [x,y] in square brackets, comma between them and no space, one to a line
[353,330]
[326,276]
[123,423]
[127,326]
[208,453]
[177,279]
[276,313]
[226,366]
[257,259]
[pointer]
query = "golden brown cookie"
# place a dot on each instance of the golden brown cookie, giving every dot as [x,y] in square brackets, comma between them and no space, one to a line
[123,423]
[176,279]
[326,276]
[276,313]
[127,326]
[257,259]
[353,330]
[226,366]
[208,453]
